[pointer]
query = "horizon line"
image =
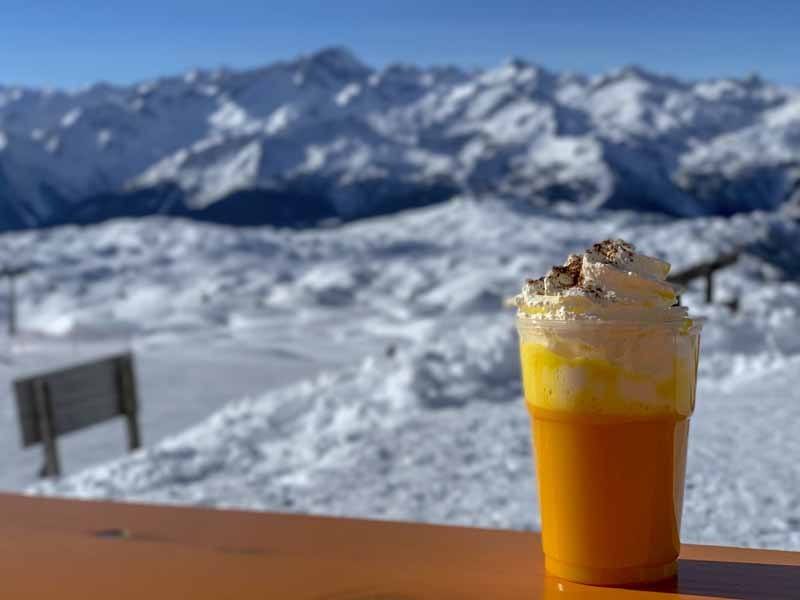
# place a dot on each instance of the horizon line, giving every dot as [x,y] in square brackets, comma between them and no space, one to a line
[475,69]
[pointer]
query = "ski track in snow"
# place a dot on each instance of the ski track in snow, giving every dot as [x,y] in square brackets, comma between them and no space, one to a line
[427,422]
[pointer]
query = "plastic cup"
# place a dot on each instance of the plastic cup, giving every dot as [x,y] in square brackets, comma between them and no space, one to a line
[610,404]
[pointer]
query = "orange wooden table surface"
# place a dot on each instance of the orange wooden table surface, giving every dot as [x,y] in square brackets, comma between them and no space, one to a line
[79,549]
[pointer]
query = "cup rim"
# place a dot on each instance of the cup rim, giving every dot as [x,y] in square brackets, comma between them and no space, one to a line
[683,324]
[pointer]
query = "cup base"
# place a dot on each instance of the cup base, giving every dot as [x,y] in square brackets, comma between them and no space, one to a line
[620,576]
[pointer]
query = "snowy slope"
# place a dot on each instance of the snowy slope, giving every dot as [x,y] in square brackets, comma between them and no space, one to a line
[432,427]
[324,136]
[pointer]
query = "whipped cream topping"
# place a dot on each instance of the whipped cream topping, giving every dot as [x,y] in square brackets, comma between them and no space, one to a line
[609,281]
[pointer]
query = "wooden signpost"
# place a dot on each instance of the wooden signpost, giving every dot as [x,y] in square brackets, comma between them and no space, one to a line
[11,273]
[58,402]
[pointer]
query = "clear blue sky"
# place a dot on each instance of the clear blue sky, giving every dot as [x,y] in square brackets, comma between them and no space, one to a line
[57,44]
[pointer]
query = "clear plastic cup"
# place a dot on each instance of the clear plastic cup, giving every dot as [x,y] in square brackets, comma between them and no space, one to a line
[610,403]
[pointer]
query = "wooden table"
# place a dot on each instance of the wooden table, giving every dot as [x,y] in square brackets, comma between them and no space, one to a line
[82,550]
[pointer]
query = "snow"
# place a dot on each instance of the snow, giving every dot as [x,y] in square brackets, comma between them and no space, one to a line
[376,370]
[347,93]
[647,141]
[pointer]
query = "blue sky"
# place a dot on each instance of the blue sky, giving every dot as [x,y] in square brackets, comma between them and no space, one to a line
[55,44]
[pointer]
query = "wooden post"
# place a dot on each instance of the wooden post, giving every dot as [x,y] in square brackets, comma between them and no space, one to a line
[12,306]
[52,468]
[129,407]
[709,286]
[11,273]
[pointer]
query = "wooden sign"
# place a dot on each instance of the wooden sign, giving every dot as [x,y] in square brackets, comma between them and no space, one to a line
[58,402]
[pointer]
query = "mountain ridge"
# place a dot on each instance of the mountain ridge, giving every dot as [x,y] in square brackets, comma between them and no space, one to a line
[326,136]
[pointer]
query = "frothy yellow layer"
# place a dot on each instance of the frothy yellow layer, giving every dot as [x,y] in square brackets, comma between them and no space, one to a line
[590,385]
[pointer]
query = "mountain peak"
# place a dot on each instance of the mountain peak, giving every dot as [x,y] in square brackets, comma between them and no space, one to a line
[638,73]
[338,58]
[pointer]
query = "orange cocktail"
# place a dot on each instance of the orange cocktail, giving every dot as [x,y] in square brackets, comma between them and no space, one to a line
[610,404]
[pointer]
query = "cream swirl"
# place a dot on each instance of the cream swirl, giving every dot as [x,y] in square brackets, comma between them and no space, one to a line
[609,281]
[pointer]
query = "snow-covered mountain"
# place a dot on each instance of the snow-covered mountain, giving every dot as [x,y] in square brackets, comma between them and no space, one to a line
[326,136]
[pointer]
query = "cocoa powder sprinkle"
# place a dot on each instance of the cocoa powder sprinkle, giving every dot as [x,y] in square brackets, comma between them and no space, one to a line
[570,274]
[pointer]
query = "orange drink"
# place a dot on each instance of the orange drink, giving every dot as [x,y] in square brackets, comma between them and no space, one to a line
[610,403]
